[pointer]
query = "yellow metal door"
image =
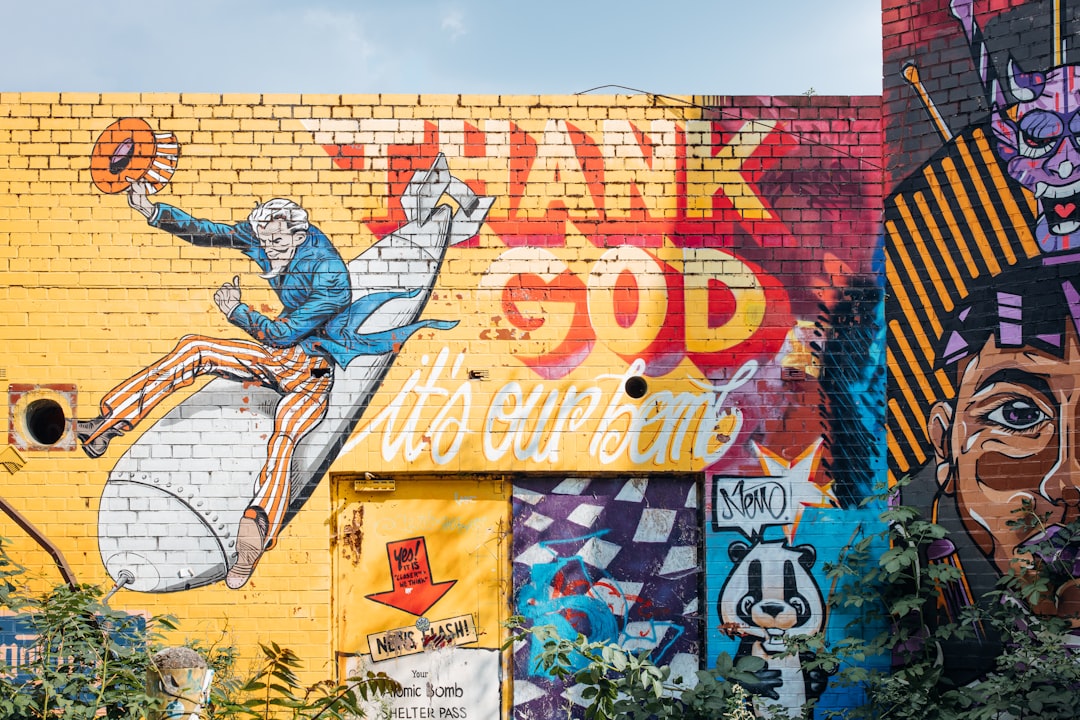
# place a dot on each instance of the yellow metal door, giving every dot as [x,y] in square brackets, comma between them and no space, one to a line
[421,590]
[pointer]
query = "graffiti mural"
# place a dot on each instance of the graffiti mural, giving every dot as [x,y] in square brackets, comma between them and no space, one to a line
[664,254]
[772,598]
[335,320]
[983,300]
[615,560]
[652,327]
[785,501]
[768,540]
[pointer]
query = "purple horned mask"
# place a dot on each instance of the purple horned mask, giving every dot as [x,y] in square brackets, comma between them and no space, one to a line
[1039,139]
[1037,129]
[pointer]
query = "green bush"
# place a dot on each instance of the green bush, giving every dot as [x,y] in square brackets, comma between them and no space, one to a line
[275,691]
[622,684]
[1036,673]
[89,661]
[86,658]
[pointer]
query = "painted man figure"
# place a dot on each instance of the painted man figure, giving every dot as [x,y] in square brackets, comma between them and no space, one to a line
[293,354]
[1007,438]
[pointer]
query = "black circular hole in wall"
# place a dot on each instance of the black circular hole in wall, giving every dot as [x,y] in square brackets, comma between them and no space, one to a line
[636,387]
[45,421]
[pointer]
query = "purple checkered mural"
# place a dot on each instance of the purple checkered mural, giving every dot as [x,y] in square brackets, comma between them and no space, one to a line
[613,558]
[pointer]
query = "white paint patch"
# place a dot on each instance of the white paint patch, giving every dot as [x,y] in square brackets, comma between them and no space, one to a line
[633,491]
[585,515]
[534,556]
[691,497]
[526,692]
[538,522]
[680,560]
[571,486]
[527,496]
[654,526]
[684,667]
[599,553]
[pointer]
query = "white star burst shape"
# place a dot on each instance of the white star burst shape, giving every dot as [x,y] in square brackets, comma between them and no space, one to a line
[798,476]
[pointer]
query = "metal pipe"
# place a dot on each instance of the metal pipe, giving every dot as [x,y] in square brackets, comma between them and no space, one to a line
[41,540]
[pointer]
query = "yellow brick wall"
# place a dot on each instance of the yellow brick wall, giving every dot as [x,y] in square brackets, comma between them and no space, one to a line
[594,199]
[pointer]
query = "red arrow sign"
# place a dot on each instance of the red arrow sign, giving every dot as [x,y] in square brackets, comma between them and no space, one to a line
[413,590]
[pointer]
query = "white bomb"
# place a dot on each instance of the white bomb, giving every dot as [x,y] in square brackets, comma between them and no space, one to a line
[171,506]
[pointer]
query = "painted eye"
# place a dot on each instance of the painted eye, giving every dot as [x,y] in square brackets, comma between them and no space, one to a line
[1017,415]
[1040,132]
[746,604]
[1032,146]
[801,608]
[1037,142]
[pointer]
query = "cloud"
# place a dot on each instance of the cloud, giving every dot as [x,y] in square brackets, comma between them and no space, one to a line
[453,21]
[339,30]
[349,58]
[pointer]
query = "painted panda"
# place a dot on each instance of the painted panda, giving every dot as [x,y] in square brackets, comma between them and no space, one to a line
[772,596]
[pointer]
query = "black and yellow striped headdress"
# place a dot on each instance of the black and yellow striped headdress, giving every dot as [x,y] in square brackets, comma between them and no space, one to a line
[951,226]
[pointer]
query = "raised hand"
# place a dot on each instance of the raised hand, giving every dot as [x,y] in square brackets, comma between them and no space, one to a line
[227,296]
[138,198]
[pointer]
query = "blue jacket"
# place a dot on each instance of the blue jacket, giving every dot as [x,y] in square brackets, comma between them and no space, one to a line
[315,292]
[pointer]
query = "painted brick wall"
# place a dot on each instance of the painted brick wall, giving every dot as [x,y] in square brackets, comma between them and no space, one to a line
[536,293]
[980,230]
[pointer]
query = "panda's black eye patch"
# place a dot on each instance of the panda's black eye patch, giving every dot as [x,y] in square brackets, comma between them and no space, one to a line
[753,576]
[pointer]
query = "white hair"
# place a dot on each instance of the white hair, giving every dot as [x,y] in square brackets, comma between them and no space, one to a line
[295,217]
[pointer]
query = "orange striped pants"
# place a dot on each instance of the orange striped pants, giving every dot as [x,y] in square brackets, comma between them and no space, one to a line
[304,399]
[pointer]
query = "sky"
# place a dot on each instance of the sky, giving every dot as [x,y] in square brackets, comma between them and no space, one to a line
[676,47]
